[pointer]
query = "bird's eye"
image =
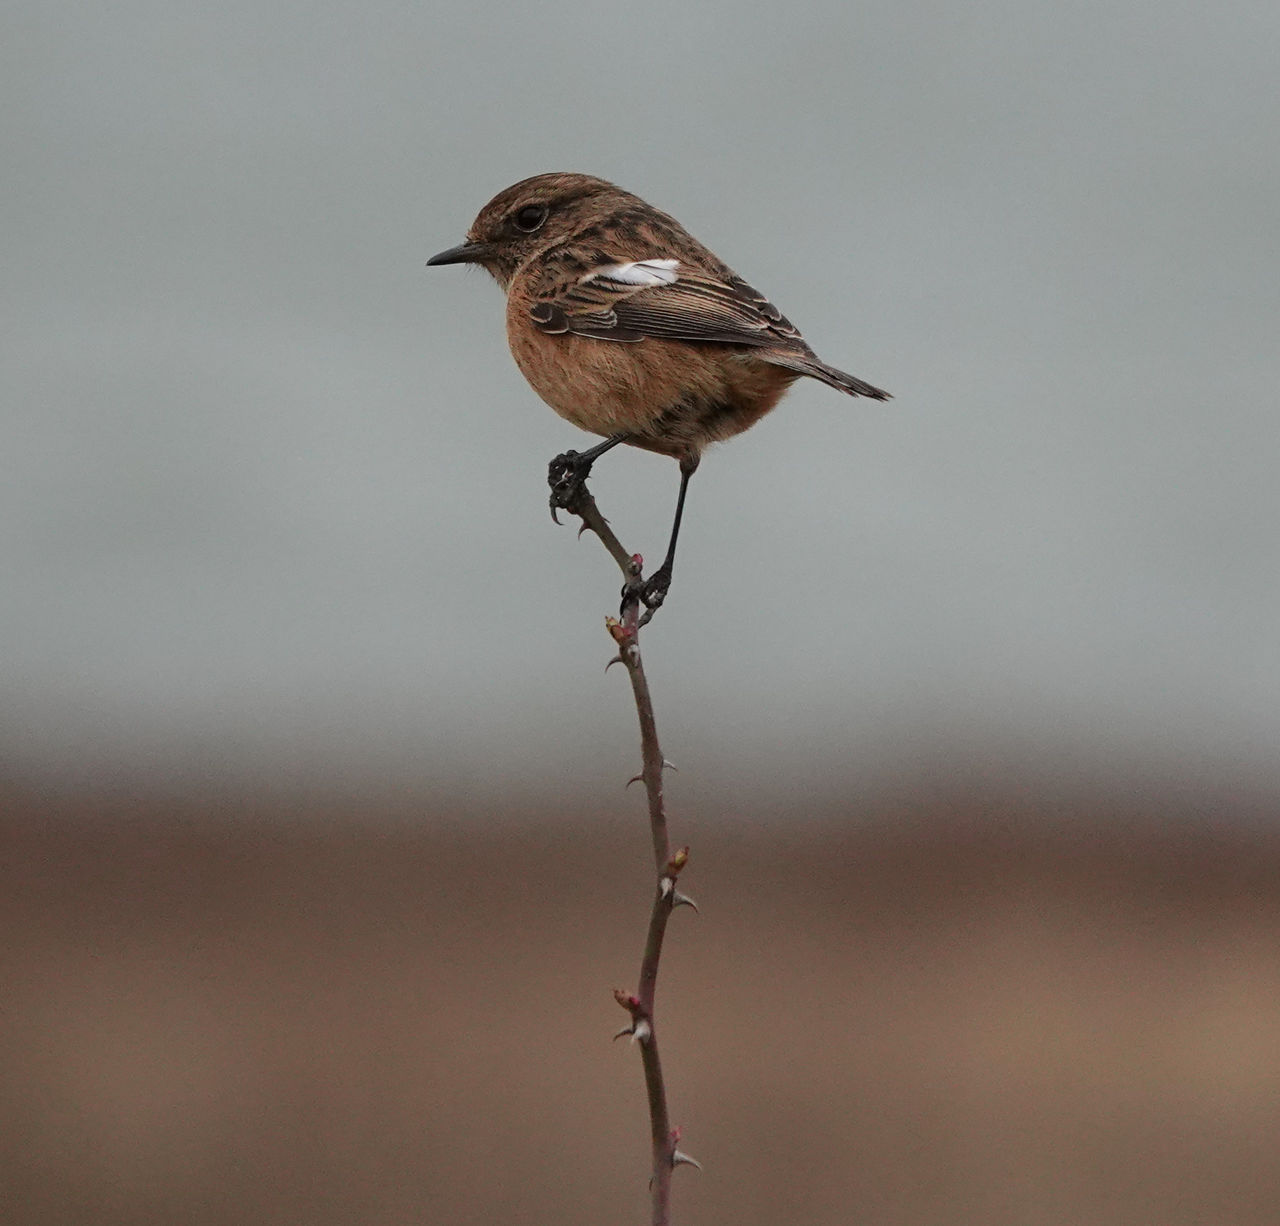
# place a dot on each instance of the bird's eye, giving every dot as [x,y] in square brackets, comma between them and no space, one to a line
[531,217]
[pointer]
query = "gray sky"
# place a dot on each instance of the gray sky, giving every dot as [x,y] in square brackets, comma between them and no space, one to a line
[272,495]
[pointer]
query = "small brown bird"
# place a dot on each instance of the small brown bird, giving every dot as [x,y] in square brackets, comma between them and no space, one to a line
[629,327]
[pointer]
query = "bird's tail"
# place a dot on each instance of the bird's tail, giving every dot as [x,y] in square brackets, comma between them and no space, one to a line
[809,365]
[845,383]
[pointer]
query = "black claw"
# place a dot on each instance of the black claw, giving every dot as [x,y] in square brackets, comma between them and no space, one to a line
[567,476]
[656,588]
[630,596]
[650,592]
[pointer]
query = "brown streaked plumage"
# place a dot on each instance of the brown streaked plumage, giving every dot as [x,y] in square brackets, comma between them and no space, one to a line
[630,328]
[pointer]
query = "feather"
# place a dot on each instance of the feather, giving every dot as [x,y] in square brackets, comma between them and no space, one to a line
[667,298]
[638,272]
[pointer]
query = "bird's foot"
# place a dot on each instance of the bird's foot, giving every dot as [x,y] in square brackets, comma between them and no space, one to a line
[567,476]
[650,592]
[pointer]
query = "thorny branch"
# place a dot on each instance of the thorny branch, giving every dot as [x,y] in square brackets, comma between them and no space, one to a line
[625,631]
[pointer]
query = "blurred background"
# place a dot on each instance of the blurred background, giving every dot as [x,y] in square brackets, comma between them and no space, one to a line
[317,867]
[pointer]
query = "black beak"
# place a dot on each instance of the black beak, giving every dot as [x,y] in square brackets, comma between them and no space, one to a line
[466,253]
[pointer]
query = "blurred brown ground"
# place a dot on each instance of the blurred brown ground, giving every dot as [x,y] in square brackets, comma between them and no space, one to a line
[940,1011]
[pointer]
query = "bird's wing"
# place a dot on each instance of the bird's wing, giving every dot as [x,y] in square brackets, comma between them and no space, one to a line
[669,298]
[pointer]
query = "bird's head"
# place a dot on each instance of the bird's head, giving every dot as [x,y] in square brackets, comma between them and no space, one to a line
[531,217]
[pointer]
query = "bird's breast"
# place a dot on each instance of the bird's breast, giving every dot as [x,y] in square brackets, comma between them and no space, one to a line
[673,396]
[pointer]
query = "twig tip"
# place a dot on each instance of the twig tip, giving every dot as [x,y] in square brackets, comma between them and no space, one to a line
[621,633]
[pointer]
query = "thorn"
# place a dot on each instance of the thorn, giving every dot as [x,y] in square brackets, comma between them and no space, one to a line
[667,889]
[634,779]
[640,1028]
[615,660]
[670,766]
[680,1158]
[555,519]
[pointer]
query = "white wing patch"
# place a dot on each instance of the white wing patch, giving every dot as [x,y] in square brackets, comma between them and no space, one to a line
[639,272]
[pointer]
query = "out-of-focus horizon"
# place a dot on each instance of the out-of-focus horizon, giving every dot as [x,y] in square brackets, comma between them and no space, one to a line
[272,502]
[952,1012]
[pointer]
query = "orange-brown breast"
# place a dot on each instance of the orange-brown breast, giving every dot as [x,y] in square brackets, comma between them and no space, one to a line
[674,396]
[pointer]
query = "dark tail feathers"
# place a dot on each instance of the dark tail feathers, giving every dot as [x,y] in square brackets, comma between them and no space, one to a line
[845,383]
[811,366]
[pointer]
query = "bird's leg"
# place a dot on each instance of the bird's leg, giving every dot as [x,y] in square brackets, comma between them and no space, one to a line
[567,474]
[653,590]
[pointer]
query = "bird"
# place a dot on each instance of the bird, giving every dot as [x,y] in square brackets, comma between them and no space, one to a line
[631,329]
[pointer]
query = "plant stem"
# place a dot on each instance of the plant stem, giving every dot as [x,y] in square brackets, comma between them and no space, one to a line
[626,635]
